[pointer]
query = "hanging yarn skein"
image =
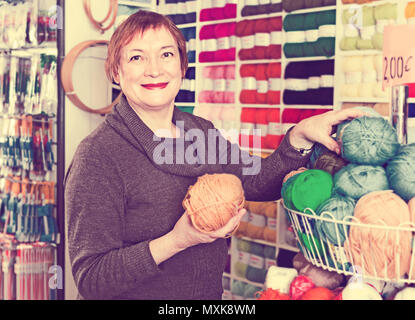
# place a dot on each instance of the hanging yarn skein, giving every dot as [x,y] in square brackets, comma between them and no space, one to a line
[401,172]
[213,200]
[357,180]
[368,140]
[378,251]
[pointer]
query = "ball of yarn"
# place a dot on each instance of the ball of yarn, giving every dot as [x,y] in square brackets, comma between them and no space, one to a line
[401,172]
[337,208]
[299,286]
[238,288]
[213,200]
[256,274]
[368,140]
[330,162]
[250,291]
[378,251]
[320,277]
[406,294]
[271,294]
[312,244]
[359,291]
[243,245]
[318,293]
[411,205]
[355,180]
[307,189]
[240,269]
[318,150]
[279,278]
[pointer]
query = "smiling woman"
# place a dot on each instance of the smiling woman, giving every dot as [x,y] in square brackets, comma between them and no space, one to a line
[128,234]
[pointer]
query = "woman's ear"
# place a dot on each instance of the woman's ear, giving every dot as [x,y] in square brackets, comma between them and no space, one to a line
[116,78]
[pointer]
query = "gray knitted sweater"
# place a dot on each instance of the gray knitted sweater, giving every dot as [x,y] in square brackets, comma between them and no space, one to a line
[119,196]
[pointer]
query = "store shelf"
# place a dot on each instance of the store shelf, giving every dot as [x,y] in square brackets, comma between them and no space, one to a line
[217,63]
[258,284]
[351,53]
[305,106]
[135,4]
[267,243]
[363,99]
[300,59]
[310,10]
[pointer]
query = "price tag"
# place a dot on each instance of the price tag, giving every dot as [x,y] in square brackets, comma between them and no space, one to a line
[398,55]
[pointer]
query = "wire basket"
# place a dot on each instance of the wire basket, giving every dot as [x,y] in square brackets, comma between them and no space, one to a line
[335,255]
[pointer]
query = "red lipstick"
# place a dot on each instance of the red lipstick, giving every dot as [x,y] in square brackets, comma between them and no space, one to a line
[152,86]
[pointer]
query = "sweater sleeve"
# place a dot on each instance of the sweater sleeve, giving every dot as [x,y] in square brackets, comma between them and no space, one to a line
[262,177]
[102,266]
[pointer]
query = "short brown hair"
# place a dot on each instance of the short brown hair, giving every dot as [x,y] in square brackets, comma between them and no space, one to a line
[137,23]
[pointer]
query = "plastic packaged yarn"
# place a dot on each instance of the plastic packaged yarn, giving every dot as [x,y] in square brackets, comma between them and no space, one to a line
[307,190]
[213,200]
[368,140]
[401,172]
[356,180]
[378,251]
[338,208]
[279,278]
[319,277]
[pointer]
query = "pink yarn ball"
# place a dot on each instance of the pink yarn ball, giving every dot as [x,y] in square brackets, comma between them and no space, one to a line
[299,286]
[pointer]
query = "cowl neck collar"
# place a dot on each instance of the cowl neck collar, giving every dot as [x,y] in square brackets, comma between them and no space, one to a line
[130,127]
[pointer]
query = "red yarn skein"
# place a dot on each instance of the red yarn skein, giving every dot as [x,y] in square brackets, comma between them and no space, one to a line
[275,29]
[245,30]
[262,39]
[261,123]
[246,138]
[249,89]
[262,83]
[273,138]
[206,95]
[274,83]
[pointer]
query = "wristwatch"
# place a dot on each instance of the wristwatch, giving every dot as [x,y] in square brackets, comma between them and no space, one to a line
[303,151]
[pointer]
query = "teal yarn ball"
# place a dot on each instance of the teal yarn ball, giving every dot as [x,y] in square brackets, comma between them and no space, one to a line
[368,140]
[401,172]
[369,111]
[355,180]
[256,249]
[337,208]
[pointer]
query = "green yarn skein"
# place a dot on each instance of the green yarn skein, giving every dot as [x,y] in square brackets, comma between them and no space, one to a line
[401,172]
[357,180]
[338,208]
[368,140]
[307,189]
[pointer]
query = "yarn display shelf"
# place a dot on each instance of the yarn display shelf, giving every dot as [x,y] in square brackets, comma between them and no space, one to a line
[260,106]
[135,4]
[267,243]
[368,4]
[253,61]
[217,63]
[366,52]
[310,10]
[327,256]
[186,25]
[214,22]
[364,99]
[316,58]
[263,16]
[305,106]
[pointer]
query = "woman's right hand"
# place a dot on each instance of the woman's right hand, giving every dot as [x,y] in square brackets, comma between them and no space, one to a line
[185,235]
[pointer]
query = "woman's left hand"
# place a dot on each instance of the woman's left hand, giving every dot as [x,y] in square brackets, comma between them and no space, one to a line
[320,128]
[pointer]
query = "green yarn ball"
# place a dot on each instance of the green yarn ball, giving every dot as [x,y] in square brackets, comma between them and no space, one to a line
[401,172]
[307,189]
[368,140]
[339,208]
[312,244]
[355,180]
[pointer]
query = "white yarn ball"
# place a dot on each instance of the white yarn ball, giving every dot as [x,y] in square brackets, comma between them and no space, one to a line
[280,279]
